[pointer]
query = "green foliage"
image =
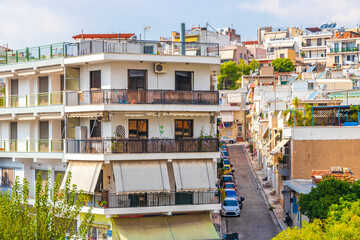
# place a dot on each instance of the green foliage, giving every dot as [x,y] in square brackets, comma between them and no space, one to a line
[296,102]
[342,222]
[302,54]
[231,73]
[283,65]
[353,113]
[51,217]
[251,148]
[317,203]
[302,118]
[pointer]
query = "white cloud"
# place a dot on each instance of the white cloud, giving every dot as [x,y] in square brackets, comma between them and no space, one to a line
[344,12]
[25,22]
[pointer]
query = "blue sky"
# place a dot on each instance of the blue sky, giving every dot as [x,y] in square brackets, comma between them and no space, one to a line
[38,22]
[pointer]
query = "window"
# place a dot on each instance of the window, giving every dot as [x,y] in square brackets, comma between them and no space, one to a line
[14,87]
[241,56]
[310,85]
[310,54]
[149,49]
[95,79]
[95,129]
[183,80]
[184,128]
[98,233]
[322,104]
[308,42]
[7,177]
[100,182]
[337,59]
[13,130]
[44,129]
[239,129]
[138,128]
[62,129]
[319,42]
[282,55]
[137,79]
[62,82]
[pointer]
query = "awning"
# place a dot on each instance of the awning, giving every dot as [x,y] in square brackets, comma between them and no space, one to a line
[83,174]
[50,117]
[194,175]
[193,226]
[7,75]
[279,146]
[85,115]
[26,117]
[29,73]
[190,38]
[282,44]
[188,114]
[6,118]
[272,139]
[141,176]
[227,116]
[226,54]
[52,70]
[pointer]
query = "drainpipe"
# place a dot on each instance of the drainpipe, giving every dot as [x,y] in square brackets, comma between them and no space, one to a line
[182,38]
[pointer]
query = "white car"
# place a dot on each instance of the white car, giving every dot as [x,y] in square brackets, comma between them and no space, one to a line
[227,140]
[230,207]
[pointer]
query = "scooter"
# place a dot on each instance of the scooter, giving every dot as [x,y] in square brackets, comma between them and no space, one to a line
[240,202]
[288,219]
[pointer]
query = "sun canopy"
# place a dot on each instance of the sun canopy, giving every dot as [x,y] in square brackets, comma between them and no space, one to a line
[141,176]
[194,174]
[83,174]
[279,146]
[226,54]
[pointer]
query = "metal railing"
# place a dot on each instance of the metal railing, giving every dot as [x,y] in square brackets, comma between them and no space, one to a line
[28,100]
[33,54]
[113,200]
[349,49]
[110,146]
[33,145]
[87,47]
[321,55]
[123,96]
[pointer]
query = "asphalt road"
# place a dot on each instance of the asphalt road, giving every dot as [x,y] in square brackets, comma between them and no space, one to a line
[255,221]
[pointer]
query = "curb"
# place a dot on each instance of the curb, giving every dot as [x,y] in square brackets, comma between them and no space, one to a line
[275,219]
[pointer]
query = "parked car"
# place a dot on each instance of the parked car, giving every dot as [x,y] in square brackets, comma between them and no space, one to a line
[231,236]
[226,178]
[229,193]
[229,185]
[226,162]
[230,207]
[227,140]
[227,169]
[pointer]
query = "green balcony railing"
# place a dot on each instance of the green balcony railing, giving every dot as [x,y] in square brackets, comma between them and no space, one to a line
[349,49]
[33,53]
[32,145]
[29,100]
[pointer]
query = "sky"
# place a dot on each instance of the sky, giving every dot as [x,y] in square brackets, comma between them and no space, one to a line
[26,23]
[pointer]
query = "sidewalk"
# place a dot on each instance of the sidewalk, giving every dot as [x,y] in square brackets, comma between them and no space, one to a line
[272,200]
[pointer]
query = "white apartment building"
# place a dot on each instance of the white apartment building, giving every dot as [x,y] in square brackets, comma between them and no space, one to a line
[135,123]
[313,46]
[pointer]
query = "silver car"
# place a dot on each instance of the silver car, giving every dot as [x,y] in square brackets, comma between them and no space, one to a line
[230,207]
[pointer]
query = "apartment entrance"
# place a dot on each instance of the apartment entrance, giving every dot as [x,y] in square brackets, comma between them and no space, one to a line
[43,144]
[43,98]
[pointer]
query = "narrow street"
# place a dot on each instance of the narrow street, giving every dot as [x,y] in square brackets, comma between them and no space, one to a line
[255,221]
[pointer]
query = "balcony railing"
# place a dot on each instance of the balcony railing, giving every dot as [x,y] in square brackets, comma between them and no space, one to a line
[315,56]
[123,96]
[113,200]
[141,47]
[28,100]
[118,146]
[33,54]
[350,49]
[33,145]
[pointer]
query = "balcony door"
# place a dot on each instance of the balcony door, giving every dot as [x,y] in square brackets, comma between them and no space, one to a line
[43,91]
[95,86]
[137,79]
[13,136]
[43,136]
[184,128]
[138,128]
[14,92]
[183,81]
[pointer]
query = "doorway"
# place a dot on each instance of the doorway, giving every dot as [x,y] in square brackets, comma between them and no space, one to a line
[43,91]
[13,136]
[14,93]
[44,136]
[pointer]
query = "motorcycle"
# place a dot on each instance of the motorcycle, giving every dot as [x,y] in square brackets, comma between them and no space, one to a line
[288,219]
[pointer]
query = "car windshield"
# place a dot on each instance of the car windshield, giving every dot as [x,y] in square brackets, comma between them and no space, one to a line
[226,162]
[227,179]
[230,193]
[230,185]
[226,168]
[230,203]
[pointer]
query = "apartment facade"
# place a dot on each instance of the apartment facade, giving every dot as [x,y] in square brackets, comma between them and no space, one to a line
[313,46]
[343,50]
[134,122]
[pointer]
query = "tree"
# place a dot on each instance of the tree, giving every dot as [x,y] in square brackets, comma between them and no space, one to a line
[246,68]
[317,203]
[283,65]
[51,217]
[230,73]
[342,222]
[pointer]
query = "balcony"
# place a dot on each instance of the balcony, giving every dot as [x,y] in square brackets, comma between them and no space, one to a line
[31,100]
[350,49]
[33,54]
[123,96]
[33,145]
[114,200]
[141,47]
[121,146]
[284,169]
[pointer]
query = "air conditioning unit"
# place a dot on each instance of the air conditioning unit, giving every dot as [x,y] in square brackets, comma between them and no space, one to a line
[236,120]
[160,68]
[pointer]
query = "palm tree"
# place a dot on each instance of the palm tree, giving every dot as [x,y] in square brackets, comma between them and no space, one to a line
[296,102]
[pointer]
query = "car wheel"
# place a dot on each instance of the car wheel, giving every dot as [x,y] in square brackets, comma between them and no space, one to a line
[231,142]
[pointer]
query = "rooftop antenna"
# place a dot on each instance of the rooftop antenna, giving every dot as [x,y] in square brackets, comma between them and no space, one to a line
[82,34]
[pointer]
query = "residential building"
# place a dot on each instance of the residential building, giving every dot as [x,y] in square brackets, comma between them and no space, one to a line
[234,53]
[343,50]
[128,120]
[230,32]
[273,33]
[313,45]
[257,51]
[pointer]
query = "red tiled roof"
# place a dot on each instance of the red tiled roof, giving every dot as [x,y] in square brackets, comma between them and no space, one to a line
[108,35]
[344,174]
[250,42]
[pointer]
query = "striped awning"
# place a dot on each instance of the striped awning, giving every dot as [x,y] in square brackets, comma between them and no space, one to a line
[85,115]
[50,116]
[24,74]
[27,117]
[6,118]
[51,70]
[7,75]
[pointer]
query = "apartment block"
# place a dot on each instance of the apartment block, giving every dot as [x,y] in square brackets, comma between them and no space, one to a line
[133,121]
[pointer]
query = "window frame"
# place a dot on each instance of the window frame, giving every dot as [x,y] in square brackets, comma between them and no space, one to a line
[138,121]
[146,79]
[191,80]
[97,127]
[92,73]
[182,134]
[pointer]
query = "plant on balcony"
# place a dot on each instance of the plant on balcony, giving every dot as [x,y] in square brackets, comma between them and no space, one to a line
[302,54]
[52,216]
[353,113]
[102,203]
[251,148]
[117,146]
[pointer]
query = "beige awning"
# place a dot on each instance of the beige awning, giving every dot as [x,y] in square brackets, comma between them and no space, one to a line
[50,117]
[7,75]
[279,146]
[51,70]
[6,118]
[282,44]
[227,116]
[27,117]
[29,73]
[83,174]
[85,114]
[141,176]
[226,54]
[189,114]
[194,175]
